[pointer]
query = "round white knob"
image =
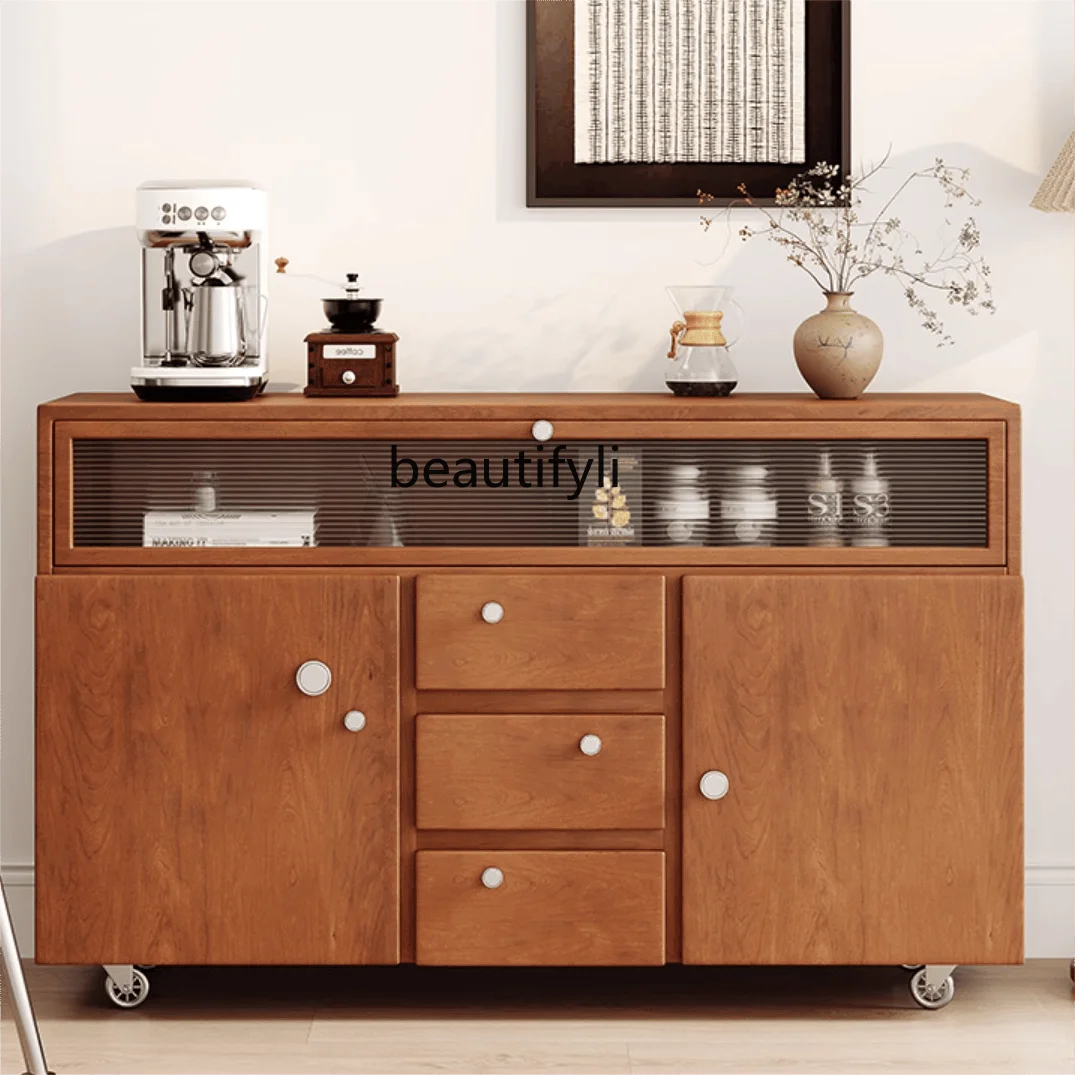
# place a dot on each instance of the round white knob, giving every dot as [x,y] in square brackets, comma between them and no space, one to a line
[348,376]
[714,784]
[492,612]
[355,721]
[542,429]
[313,678]
[492,877]
[590,745]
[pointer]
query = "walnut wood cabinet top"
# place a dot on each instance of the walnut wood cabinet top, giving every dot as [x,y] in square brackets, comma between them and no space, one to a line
[566,406]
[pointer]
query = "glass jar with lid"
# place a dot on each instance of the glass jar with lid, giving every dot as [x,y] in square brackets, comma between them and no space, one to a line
[682,506]
[748,507]
[204,486]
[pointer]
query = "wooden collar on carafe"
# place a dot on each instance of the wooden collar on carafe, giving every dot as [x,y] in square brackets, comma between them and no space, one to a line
[703,329]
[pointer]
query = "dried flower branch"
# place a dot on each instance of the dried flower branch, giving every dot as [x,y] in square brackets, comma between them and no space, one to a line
[818,222]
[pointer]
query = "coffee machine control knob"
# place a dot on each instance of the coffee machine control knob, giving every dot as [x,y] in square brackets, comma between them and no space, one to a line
[348,376]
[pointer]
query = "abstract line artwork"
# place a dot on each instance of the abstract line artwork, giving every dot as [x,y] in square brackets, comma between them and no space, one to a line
[690,81]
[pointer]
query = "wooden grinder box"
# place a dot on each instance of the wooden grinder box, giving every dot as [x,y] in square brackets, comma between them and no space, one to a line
[351,364]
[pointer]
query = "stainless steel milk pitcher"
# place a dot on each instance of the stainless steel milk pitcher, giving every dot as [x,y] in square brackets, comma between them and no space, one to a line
[218,324]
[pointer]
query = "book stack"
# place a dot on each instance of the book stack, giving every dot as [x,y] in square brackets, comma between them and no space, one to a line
[229,529]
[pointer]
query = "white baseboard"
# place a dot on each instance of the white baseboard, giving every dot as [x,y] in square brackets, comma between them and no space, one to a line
[19,889]
[1050,909]
[1050,912]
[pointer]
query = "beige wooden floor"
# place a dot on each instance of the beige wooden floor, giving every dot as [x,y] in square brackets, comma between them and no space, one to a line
[339,1020]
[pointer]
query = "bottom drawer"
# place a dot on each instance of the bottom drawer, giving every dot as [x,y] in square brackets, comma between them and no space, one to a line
[540,908]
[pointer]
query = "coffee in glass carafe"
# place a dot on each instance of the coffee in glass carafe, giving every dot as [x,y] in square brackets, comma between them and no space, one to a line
[711,322]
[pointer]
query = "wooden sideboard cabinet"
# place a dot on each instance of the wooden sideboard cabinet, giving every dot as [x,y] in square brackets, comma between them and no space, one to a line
[493,709]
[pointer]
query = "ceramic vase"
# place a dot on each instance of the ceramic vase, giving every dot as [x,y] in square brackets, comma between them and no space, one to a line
[838,350]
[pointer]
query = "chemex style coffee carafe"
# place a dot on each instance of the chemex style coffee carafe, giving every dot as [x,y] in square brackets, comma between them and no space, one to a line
[711,323]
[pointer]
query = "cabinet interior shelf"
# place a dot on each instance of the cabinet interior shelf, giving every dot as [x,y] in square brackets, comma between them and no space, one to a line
[433,494]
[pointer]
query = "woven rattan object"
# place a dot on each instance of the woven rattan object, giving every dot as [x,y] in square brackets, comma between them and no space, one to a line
[1057,191]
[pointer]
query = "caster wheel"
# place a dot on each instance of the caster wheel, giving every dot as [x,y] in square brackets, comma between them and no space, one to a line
[912,966]
[130,997]
[932,998]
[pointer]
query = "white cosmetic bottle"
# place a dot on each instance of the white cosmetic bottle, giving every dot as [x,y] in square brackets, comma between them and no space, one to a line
[870,506]
[824,504]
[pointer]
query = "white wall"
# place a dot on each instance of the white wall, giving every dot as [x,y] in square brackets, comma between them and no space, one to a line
[390,135]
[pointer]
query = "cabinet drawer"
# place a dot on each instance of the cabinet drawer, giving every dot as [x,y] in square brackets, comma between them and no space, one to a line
[551,908]
[540,772]
[540,632]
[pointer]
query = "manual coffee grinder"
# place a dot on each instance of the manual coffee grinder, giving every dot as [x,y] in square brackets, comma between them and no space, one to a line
[352,357]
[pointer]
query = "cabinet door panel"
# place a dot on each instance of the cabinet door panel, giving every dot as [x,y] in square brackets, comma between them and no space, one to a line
[193,806]
[871,732]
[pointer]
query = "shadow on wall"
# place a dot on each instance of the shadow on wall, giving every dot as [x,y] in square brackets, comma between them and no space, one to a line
[584,328]
[616,335]
[86,329]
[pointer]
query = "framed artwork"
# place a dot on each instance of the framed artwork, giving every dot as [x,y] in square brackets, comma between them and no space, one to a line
[646,102]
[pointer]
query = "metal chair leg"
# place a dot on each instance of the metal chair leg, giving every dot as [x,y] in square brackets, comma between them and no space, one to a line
[29,1036]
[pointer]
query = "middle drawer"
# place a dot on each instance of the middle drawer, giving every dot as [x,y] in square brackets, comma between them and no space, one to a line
[539,771]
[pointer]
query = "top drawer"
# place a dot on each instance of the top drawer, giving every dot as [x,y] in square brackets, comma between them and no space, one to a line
[540,632]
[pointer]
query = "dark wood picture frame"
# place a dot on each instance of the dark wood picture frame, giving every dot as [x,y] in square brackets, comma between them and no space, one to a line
[554,179]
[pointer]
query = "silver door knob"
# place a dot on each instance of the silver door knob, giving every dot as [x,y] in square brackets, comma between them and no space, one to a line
[313,678]
[492,877]
[355,720]
[590,745]
[492,612]
[714,784]
[348,376]
[542,430]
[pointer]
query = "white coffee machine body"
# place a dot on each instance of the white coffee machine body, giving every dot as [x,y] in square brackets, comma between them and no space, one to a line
[204,289]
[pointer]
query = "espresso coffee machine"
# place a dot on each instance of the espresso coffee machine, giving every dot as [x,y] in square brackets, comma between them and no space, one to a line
[204,290]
